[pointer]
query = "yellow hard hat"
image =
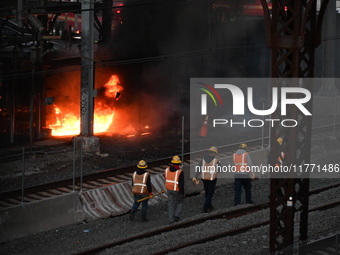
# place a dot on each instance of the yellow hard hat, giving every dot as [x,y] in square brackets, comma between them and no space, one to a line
[243,146]
[213,149]
[280,140]
[176,160]
[142,164]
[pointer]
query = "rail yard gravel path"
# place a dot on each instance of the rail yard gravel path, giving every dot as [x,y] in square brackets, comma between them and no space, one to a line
[53,160]
[71,239]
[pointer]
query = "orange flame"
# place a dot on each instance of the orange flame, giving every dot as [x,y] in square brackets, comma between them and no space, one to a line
[113,87]
[67,122]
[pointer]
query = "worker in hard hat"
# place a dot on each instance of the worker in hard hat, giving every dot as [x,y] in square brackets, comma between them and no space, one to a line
[282,155]
[174,184]
[141,188]
[276,158]
[276,155]
[208,167]
[243,176]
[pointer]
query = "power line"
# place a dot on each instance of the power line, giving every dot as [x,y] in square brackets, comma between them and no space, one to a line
[129,4]
[106,63]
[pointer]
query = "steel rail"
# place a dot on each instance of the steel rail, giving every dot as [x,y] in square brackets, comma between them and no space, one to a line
[237,231]
[223,215]
[108,173]
[59,185]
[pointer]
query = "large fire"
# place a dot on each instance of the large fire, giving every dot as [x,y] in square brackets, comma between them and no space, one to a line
[67,122]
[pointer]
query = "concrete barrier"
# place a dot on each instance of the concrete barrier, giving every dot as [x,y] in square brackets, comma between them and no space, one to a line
[116,199]
[35,217]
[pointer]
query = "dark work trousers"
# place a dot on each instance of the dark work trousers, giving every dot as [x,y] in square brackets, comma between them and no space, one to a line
[175,205]
[136,204]
[209,188]
[245,181]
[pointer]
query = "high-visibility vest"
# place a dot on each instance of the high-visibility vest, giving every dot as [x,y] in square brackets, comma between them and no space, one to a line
[240,162]
[139,183]
[280,159]
[172,179]
[209,171]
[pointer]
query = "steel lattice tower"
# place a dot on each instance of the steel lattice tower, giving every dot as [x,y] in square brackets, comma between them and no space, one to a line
[293,33]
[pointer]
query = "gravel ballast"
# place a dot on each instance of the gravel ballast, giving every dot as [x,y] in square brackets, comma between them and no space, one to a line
[49,167]
[71,239]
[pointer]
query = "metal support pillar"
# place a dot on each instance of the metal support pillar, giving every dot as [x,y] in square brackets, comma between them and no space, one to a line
[88,141]
[291,33]
[18,15]
[87,70]
[329,45]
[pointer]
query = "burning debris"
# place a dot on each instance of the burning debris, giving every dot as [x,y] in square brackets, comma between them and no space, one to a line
[67,120]
[113,87]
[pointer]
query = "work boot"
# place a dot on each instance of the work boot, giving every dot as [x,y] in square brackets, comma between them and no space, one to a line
[132,215]
[209,209]
[143,219]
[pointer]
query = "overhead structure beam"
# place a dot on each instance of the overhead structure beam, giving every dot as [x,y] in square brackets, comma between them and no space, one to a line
[293,33]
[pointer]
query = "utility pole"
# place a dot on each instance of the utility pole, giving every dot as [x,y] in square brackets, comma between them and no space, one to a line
[91,143]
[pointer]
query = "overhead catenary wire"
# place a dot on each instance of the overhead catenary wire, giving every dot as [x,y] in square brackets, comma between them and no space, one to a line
[107,63]
[113,62]
[129,4]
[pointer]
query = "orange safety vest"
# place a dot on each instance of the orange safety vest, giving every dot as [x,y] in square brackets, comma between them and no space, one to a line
[241,161]
[209,170]
[280,159]
[172,179]
[139,183]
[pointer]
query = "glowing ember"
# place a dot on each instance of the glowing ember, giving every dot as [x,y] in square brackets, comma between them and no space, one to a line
[146,133]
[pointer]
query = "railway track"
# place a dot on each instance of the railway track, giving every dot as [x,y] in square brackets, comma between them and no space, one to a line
[59,189]
[103,178]
[227,215]
[324,245]
[114,176]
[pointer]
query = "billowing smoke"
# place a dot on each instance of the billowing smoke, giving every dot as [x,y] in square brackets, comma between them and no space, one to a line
[155,51]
